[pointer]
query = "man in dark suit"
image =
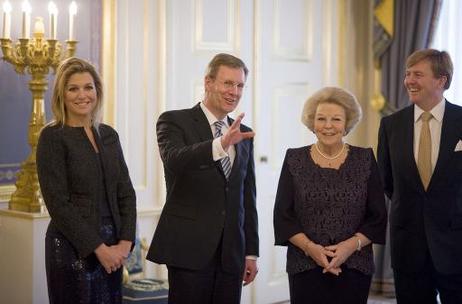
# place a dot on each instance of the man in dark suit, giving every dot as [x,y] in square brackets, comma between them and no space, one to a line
[207,233]
[420,158]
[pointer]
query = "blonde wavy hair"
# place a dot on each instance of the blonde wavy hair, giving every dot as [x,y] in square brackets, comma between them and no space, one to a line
[65,70]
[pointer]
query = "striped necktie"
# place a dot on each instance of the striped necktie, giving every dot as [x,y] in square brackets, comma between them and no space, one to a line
[424,157]
[225,161]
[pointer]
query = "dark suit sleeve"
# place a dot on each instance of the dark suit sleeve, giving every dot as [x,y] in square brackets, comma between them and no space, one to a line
[177,154]
[375,219]
[251,218]
[52,174]
[285,220]
[383,159]
[126,199]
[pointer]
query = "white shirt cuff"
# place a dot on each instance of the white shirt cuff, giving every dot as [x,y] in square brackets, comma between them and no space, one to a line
[251,257]
[217,149]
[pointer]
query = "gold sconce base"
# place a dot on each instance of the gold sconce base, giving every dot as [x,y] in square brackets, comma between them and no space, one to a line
[35,56]
[27,197]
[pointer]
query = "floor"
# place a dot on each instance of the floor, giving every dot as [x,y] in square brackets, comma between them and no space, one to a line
[373,299]
[376,299]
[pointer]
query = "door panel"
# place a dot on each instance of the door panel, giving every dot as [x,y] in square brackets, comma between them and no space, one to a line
[291,60]
[287,46]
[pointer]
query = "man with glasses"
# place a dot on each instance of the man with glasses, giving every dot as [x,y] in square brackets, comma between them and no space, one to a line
[207,233]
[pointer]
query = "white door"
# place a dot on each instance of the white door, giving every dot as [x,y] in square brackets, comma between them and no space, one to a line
[293,59]
[287,45]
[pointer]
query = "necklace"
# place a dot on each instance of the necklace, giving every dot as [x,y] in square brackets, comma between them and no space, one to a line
[329,157]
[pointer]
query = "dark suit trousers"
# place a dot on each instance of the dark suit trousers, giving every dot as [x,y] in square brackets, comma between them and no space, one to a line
[422,287]
[210,285]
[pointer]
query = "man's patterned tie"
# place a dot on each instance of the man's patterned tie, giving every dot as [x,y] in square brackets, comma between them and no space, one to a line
[225,162]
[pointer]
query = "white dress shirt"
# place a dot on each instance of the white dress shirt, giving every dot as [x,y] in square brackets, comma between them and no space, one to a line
[217,149]
[435,129]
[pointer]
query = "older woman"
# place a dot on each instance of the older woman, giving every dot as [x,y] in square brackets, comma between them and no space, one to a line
[87,190]
[330,206]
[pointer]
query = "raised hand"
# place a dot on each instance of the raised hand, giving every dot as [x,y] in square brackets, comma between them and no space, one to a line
[234,134]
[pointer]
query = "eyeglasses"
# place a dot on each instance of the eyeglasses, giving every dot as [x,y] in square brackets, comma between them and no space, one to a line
[228,85]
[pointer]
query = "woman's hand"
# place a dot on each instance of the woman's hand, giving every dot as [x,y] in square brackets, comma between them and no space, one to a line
[110,257]
[340,253]
[124,248]
[318,253]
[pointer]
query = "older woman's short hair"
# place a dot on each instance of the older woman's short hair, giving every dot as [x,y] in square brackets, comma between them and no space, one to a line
[334,95]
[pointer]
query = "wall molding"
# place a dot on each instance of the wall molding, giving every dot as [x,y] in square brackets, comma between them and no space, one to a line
[304,53]
[232,28]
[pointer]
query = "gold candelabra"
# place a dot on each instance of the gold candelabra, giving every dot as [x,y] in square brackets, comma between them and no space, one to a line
[35,56]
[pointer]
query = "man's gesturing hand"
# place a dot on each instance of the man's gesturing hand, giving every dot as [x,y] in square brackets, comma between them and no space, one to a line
[234,134]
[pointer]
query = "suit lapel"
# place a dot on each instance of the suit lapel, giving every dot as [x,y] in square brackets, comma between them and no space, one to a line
[449,137]
[202,127]
[201,124]
[408,140]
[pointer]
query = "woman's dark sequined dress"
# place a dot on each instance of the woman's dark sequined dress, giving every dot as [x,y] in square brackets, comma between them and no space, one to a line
[73,279]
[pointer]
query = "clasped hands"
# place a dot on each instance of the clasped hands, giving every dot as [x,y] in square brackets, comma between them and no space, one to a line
[113,257]
[330,258]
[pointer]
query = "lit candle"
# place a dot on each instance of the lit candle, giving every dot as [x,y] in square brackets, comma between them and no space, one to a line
[39,27]
[6,19]
[26,19]
[72,13]
[53,11]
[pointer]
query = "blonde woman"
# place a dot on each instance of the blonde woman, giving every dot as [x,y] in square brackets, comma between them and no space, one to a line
[87,191]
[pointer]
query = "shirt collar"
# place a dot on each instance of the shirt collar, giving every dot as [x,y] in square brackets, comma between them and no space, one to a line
[437,111]
[210,117]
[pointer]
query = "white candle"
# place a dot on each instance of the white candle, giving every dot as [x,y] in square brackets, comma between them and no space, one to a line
[39,27]
[6,19]
[72,13]
[53,11]
[26,19]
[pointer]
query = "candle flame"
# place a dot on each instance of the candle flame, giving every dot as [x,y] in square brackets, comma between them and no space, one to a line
[73,8]
[26,8]
[52,9]
[39,27]
[7,7]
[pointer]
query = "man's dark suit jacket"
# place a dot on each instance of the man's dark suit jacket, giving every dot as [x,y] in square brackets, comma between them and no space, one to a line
[422,219]
[202,208]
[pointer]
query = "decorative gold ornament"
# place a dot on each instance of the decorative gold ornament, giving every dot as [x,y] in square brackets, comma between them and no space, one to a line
[34,56]
[378,102]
